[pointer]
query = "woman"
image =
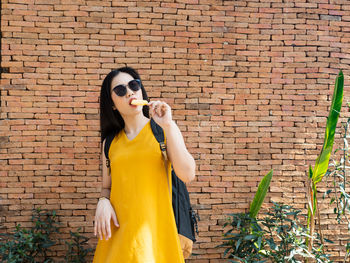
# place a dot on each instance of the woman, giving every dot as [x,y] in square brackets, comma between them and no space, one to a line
[134,219]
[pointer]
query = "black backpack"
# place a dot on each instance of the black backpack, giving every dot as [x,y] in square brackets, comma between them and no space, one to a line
[185,216]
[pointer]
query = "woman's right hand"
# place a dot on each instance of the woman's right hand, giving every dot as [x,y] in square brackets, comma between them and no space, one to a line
[104,213]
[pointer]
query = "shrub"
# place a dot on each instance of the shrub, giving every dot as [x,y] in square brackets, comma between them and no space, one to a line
[243,240]
[32,245]
[279,237]
[27,245]
[76,248]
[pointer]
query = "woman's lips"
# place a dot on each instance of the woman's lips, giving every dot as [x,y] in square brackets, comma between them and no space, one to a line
[131,101]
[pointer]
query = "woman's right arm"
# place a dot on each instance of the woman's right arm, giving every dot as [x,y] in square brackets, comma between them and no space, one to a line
[104,209]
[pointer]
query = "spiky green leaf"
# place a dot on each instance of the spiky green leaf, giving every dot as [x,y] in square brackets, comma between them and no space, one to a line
[322,160]
[260,195]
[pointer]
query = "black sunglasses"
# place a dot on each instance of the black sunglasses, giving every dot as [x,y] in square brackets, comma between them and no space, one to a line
[134,85]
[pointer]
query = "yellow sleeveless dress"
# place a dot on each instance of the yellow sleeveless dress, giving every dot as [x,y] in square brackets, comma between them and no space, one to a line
[141,200]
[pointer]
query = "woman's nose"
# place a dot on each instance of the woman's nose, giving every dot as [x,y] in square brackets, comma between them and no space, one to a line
[129,92]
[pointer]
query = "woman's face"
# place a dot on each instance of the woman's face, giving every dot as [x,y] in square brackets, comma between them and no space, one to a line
[123,103]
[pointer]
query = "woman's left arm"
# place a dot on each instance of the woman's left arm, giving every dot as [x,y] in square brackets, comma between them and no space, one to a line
[182,161]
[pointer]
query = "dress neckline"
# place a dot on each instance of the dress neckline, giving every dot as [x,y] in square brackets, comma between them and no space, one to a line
[143,128]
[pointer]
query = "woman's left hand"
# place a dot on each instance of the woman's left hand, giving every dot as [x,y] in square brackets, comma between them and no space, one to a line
[161,113]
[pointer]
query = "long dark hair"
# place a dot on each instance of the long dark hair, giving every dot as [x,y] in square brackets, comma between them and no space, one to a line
[110,120]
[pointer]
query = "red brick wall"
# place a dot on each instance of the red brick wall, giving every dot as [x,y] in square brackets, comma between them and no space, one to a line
[249,83]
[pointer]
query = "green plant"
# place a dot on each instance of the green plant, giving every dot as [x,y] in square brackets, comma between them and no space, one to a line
[32,245]
[339,192]
[76,248]
[243,241]
[316,174]
[285,237]
[27,245]
[278,237]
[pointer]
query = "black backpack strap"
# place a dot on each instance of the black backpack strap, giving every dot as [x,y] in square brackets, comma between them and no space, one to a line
[185,217]
[108,142]
[157,131]
[159,135]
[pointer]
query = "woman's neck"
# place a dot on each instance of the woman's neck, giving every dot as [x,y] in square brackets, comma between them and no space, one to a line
[135,123]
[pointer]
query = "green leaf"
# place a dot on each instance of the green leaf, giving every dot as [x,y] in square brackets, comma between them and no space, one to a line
[238,244]
[249,237]
[226,251]
[327,193]
[259,243]
[328,240]
[260,195]
[311,172]
[322,160]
